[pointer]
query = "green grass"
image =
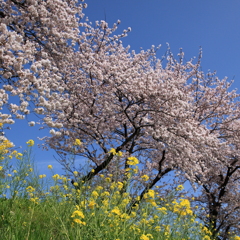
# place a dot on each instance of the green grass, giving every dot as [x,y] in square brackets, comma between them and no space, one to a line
[34,207]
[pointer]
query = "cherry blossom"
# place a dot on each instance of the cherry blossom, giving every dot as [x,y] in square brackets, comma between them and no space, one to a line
[84,84]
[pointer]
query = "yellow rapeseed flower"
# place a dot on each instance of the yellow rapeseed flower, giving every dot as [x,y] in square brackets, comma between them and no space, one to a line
[116,211]
[34,200]
[151,193]
[91,204]
[206,238]
[236,238]
[132,161]
[78,213]
[108,179]
[95,194]
[162,210]
[30,143]
[42,176]
[105,193]
[146,237]
[145,177]
[50,167]
[1,168]
[77,142]
[19,155]
[78,221]
[75,184]
[30,189]
[5,144]
[99,188]
[179,188]
[56,177]
[113,151]
[119,154]
[120,185]
[183,208]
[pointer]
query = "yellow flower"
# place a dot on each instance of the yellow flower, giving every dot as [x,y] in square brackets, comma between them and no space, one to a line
[15,171]
[179,188]
[206,238]
[105,193]
[30,189]
[75,173]
[183,208]
[1,168]
[30,143]
[145,177]
[75,184]
[95,194]
[162,210]
[116,211]
[151,193]
[158,228]
[120,185]
[34,200]
[146,237]
[113,151]
[108,179]
[119,154]
[77,142]
[91,204]
[56,176]
[78,221]
[99,188]
[19,156]
[236,238]
[132,161]
[42,176]
[14,152]
[50,167]
[78,213]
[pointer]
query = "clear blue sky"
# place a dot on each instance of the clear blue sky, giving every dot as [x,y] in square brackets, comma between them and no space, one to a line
[212,24]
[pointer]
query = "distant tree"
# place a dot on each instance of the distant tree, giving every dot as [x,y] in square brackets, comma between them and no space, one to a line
[86,85]
[219,201]
[218,109]
[219,197]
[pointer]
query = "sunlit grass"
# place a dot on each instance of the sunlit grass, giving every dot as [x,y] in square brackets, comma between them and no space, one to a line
[48,206]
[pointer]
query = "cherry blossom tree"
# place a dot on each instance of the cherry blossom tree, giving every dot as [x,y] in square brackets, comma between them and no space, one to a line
[218,109]
[84,84]
[219,197]
[34,35]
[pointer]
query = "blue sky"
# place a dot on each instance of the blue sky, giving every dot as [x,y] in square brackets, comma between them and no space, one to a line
[212,24]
